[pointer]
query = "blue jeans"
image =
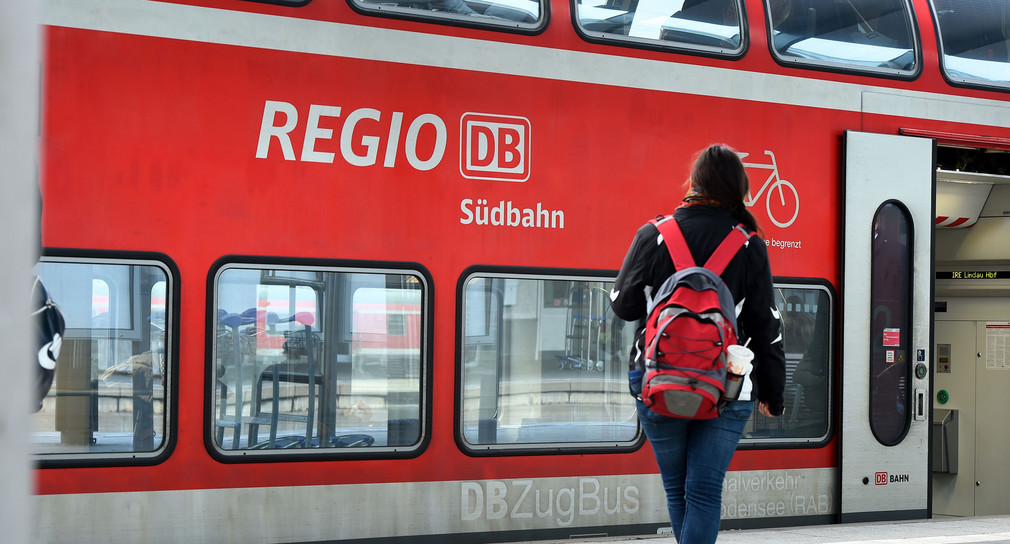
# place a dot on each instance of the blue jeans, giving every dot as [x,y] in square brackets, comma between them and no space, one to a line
[693,456]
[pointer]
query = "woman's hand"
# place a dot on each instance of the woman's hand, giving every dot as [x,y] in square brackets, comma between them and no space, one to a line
[763,408]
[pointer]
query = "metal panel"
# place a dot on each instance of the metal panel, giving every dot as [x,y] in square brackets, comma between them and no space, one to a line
[496,510]
[954,494]
[877,481]
[992,381]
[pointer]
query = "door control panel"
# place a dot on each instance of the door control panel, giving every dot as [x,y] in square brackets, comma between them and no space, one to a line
[942,359]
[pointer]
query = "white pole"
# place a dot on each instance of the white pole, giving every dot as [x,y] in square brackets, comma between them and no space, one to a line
[19,221]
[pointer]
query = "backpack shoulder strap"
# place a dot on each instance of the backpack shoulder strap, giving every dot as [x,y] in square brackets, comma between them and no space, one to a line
[730,246]
[675,242]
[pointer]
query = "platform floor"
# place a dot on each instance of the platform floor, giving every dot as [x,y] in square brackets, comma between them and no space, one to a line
[947,530]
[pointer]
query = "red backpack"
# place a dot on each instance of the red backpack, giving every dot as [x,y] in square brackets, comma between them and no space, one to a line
[691,321]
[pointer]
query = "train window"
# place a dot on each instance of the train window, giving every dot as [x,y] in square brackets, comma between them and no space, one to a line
[317,360]
[974,44]
[708,26]
[871,35]
[110,393]
[522,15]
[543,365]
[806,311]
[890,316]
[295,3]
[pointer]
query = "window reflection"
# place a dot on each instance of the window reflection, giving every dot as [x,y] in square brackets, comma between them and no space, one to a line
[698,24]
[806,313]
[309,358]
[974,40]
[526,13]
[860,33]
[109,393]
[544,362]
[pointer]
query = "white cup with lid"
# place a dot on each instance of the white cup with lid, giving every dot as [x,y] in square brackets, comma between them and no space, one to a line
[738,364]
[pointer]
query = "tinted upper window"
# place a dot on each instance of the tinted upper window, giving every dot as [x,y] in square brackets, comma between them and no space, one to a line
[284,2]
[874,35]
[704,25]
[973,40]
[522,14]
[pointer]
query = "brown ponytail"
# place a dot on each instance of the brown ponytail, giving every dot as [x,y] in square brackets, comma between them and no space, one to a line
[719,174]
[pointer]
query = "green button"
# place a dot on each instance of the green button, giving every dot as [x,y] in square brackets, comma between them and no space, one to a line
[942,396]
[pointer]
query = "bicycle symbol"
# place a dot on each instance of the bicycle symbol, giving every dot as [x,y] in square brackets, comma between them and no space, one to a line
[783,204]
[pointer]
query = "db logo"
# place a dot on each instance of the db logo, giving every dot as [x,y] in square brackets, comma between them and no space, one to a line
[495,147]
[880,478]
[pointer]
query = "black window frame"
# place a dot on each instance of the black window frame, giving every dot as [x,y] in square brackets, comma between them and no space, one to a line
[905,332]
[449,19]
[847,68]
[287,3]
[528,448]
[330,453]
[533,449]
[684,48]
[830,373]
[172,326]
[431,16]
[966,83]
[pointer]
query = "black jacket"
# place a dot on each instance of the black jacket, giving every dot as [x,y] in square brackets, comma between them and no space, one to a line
[748,276]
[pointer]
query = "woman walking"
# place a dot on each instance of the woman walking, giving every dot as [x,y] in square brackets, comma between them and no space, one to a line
[694,454]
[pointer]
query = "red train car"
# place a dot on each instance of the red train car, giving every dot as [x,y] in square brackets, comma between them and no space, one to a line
[354,256]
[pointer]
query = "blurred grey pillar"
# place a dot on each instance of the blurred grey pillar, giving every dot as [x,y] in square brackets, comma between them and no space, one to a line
[19,223]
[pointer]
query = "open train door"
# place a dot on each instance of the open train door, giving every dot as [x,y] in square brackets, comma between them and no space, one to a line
[887,333]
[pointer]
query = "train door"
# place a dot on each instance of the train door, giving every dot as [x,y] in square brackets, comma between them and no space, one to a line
[887,316]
